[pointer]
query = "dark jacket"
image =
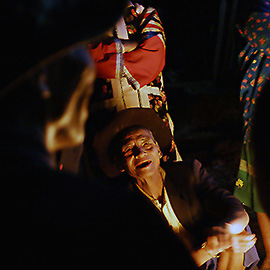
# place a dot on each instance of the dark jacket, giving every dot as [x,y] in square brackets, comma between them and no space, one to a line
[198,201]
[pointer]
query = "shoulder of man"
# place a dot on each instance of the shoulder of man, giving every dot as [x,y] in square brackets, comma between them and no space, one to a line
[188,175]
[179,169]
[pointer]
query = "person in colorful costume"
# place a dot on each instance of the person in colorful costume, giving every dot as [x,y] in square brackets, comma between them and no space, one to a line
[255,60]
[129,64]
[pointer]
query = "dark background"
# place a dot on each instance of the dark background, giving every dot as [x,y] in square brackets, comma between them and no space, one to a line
[202,83]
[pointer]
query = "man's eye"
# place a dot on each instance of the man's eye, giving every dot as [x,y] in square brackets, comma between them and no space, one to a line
[127,152]
[146,145]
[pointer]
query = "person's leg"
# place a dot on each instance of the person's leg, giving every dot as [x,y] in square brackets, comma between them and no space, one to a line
[264,223]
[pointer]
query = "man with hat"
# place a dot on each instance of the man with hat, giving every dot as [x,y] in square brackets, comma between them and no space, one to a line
[207,218]
[54,220]
[129,74]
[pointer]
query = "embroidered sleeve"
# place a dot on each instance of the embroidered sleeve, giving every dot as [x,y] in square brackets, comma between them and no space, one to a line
[147,61]
[144,63]
[105,55]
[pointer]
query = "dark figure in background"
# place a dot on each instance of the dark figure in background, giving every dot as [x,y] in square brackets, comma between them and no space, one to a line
[54,220]
[254,26]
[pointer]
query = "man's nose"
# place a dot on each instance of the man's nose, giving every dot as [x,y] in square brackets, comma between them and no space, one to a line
[138,151]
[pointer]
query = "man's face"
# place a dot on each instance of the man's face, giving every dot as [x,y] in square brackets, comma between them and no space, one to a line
[141,154]
[67,130]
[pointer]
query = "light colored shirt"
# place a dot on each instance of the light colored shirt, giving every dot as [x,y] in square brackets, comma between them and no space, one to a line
[167,210]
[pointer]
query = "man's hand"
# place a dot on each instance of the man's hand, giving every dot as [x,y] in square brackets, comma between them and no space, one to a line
[222,237]
[242,242]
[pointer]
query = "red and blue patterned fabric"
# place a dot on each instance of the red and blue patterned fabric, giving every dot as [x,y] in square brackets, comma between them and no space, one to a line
[255,64]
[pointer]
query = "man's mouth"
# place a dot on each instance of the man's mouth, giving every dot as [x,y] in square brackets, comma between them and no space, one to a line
[143,164]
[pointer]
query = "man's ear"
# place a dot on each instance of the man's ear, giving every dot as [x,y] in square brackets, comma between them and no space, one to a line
[160,153]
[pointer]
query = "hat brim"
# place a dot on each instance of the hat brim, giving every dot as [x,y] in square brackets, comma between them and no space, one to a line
[130,117]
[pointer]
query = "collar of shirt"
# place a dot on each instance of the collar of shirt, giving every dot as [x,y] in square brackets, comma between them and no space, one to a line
[166,209]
